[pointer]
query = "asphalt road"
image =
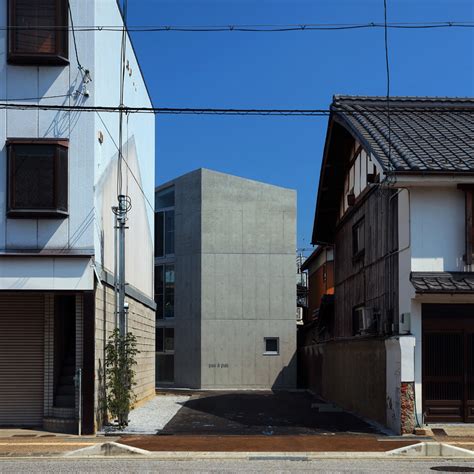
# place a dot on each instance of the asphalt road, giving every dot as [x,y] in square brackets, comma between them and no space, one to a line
[130,466]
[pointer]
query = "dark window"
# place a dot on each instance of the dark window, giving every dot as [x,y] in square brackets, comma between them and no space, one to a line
[165,340]
[164,198]
[159,344]
[159,291]
[272,345]
[159,234]
[358,239]
[165,355]
[169,291]
[164,233]
[169,339]
[169,233]
[37,178]
[164,368]
[38,31]
[164,291]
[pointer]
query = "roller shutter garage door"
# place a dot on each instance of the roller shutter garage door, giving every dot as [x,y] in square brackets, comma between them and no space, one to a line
[21,359]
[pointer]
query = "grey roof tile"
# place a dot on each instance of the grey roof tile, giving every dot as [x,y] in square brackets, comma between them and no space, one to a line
[443,282]
[434,134]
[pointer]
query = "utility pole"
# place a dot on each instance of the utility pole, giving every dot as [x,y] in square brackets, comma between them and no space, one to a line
[121,212]
[124,203]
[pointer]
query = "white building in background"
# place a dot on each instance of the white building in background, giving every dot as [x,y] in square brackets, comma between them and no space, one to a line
[58,175]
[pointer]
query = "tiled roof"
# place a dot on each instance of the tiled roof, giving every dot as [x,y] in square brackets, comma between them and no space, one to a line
[431,134]
[443,282]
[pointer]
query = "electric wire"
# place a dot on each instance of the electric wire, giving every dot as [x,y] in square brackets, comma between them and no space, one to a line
[74,36]
[387,70]
[367,111]
[59,96]
[123,47]
[259,28]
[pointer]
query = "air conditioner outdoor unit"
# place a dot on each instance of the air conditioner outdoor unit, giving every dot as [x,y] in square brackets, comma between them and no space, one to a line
[299,315]
[366,320]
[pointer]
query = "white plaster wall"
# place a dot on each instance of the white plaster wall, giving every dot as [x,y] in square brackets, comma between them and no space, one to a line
[437,229]
[416,330]
[138,150]
[431,238]
[90,218]
[399,360]
[75,232]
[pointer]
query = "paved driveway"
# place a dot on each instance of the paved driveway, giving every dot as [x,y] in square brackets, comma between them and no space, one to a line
[261,413]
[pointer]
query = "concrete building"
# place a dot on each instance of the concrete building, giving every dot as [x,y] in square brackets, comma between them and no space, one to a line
[225,283]
[58,174]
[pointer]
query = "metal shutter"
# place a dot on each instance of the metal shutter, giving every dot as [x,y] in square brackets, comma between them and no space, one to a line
[21,359]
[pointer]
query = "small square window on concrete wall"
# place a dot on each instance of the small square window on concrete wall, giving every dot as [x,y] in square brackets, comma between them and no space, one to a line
[271,346]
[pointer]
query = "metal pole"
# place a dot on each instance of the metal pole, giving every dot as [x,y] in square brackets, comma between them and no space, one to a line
[115,271]
[121,218]
[79,388]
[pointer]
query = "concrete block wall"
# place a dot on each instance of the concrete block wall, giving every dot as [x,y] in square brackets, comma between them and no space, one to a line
[141,322]
[351,373]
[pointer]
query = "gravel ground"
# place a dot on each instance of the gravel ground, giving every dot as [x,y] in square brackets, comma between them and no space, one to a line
[153,416]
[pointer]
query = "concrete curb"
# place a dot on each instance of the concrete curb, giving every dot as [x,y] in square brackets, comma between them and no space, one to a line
[108,449]
[432,449]
[447,453]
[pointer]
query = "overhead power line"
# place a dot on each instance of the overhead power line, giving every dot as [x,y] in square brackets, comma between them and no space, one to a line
[263,28]
[375,110]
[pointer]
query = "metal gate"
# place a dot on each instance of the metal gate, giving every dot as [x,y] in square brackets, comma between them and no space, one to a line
[448,364]
[21,359]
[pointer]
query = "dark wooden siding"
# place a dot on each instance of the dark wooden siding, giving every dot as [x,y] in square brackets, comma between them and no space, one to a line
[371,280]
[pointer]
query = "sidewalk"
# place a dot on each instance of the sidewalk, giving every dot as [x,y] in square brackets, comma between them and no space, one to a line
[256,443]
[25,443]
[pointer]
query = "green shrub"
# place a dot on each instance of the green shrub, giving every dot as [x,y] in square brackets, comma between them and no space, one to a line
[120,360]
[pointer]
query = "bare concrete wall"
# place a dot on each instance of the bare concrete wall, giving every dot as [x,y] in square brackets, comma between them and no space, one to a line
[248,283]
[141,322]
[235,242]
[350,373]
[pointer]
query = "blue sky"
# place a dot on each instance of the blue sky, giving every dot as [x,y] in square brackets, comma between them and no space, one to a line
[286,70]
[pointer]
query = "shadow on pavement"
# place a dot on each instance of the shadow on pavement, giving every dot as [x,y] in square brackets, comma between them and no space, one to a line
[261,413]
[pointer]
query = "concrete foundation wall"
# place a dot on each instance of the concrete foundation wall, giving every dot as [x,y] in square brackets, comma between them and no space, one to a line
[141,322]
[351,373]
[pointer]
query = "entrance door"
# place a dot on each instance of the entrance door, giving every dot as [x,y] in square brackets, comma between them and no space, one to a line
[448,363]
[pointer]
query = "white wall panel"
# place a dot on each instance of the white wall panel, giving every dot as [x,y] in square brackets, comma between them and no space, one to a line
[21,234]
[53,233]
[437,229]
[22,83]
[38,273]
